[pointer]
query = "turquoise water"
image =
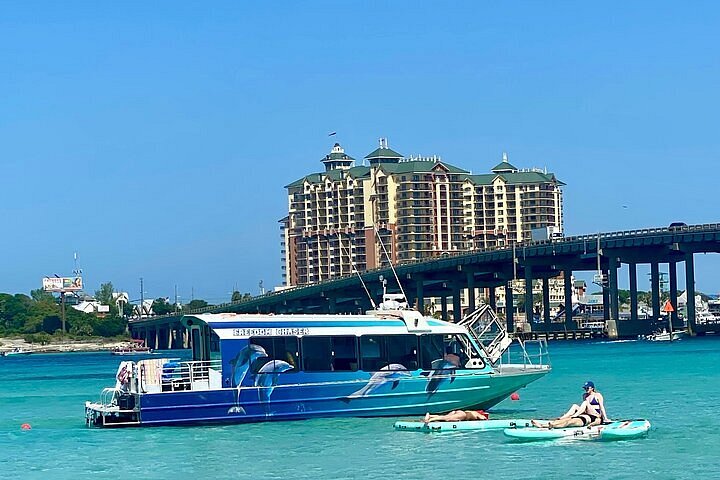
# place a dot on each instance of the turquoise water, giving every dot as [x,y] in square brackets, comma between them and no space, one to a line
[673,385]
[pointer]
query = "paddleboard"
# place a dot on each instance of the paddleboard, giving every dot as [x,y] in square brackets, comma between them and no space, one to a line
[620,430]
[465,425]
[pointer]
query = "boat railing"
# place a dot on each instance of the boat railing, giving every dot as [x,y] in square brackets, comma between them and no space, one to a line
[193,375]
[108,396]
[526,354]
[488,331]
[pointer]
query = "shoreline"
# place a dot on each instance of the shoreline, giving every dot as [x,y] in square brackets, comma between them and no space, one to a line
[94,345]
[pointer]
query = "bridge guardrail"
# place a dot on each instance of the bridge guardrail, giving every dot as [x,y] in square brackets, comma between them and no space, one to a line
[561,241]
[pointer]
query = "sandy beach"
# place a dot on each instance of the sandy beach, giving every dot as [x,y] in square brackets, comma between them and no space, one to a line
[93,345]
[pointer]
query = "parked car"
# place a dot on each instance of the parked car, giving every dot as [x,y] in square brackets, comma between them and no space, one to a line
[677,226]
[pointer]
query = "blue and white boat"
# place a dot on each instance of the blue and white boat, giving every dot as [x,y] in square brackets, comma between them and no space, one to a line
[389,362]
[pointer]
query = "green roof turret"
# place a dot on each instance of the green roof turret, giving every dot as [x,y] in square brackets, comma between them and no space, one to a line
[383,154]
[337,158]
[505,166]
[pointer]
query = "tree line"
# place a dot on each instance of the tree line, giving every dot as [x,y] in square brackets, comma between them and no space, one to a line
[38,316]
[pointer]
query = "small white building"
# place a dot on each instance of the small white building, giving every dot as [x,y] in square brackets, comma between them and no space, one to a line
[92,307]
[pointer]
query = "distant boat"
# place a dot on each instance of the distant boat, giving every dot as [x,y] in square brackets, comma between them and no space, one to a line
[662,336]
[705,317]
[15,351]
[137,347]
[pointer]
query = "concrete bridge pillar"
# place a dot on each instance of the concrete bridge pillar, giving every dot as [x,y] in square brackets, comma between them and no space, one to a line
[492,299]
[632,270]
[613,285]
[179,336]
[332,305]
[672,267]
[655,289]
[606,297]
[567,274]
[509,307]
[472,303]
[420,294]
[443,307]
[529,311]
[690,284]
[457,304]
[546,301]
[154,338]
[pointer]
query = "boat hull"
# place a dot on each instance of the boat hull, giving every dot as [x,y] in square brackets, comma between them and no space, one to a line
[312,398]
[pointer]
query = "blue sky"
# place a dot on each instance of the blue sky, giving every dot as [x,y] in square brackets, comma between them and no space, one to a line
[155,138]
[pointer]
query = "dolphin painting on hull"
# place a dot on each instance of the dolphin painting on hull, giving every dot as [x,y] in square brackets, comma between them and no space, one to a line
[266,379]
[388,374]
[442,370]
[240,366]
[242,361]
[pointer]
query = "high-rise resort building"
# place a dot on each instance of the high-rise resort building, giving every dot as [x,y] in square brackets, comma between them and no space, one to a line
[400,209]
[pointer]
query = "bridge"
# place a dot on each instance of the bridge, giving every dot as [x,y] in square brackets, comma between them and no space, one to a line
[448,275]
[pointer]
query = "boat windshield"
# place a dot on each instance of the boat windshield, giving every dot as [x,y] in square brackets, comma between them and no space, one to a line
[456,349]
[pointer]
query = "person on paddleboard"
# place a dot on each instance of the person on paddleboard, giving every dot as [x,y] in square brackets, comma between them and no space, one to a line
[590,412]
[457,416]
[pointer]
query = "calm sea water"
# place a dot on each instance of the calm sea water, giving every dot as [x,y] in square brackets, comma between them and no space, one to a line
[673,385]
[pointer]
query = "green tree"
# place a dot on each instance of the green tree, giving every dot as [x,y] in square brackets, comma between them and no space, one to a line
[40,295]
[161,306]
[240,297]
[624,297]
[111,327]
[195,305]
[105,294]
[14,311]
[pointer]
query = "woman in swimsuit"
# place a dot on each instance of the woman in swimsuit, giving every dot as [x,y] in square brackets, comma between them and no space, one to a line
[590,412]
[457,416]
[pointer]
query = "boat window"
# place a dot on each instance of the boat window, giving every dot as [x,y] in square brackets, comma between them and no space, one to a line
[439,350]
[282,355]
[432,348]
[322,354]
[379,351]
[195,344]
[214,346]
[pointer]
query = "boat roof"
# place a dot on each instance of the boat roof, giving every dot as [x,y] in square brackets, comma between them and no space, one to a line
[238,326]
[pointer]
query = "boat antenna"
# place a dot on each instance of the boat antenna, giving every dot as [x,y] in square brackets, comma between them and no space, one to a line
[352,264]
[392,267]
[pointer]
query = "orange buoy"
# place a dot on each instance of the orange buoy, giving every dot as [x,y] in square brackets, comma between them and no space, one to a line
[25,426]
[514,396]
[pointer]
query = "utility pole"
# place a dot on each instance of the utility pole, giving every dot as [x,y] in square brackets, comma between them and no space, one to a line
[176,302]
[142,298]
[62,309]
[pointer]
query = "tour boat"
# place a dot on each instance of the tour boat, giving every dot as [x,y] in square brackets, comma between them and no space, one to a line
[391,361]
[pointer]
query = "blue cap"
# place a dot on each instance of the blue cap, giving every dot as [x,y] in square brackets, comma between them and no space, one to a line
[589,384]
